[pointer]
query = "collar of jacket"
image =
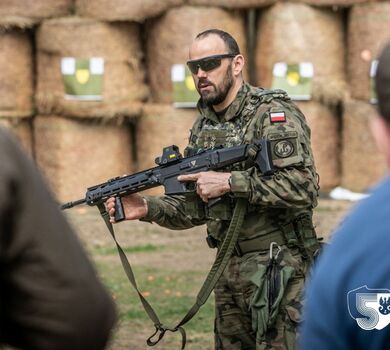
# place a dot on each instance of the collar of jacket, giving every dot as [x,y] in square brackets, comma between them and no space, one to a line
[234,110]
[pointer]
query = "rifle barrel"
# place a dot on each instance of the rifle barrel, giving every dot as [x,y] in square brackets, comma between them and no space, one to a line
[72,204]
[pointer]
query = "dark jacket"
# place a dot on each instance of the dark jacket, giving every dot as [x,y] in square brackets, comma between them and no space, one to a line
[50,296]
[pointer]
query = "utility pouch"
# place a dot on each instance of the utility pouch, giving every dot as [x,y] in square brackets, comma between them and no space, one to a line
[195,207]
[222,210]
[307,236]
[271,281]
[290,235]
[211,241]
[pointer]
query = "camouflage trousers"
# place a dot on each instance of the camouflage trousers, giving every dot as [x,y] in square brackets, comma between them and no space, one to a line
[244,317]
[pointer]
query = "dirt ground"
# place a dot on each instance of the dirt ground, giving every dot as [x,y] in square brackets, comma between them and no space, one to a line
[187,252]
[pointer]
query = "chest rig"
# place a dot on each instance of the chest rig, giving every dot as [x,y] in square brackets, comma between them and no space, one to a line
[241,124]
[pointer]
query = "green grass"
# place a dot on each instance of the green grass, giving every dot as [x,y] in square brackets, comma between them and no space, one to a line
[145,248]
[171,294]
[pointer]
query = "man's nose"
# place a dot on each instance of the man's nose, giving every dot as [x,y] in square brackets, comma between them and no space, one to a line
[201,73]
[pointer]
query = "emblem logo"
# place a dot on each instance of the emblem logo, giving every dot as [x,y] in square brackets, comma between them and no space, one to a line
[82,75]
[283,149]
[369,307]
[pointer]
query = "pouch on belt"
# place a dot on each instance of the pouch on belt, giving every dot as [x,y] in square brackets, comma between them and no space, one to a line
[271,281]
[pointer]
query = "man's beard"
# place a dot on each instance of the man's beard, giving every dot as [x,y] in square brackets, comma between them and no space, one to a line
[220,92]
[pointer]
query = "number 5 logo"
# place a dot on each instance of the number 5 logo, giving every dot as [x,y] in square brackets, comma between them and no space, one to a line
[363,306]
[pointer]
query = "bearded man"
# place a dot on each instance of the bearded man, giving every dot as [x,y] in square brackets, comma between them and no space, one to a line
[258,297]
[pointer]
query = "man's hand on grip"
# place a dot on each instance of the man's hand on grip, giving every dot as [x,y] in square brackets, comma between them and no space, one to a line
[134,207]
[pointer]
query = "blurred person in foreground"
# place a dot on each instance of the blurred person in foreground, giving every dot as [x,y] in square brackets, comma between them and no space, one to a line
[50,296]
[258,297]
[348,297]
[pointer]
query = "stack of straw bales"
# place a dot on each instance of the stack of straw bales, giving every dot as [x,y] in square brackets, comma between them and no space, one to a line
[92,146]
[21,128]
[368,31]
[118,44]
[326,143]
[16,84]
[26,13]
[169,39]
[341,3]
[76,135]
[232,3]
[362,163]
[16,88]
[295,33]
[120,10]
[161,125]
[75,154]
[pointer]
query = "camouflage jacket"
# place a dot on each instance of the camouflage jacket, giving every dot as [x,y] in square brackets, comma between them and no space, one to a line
[273,201]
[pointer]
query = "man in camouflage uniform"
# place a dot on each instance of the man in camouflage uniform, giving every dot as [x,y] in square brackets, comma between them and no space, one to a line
[258,297]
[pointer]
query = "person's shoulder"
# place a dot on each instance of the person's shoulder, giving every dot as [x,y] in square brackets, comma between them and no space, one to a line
[359,242]
[275,101]
[263,95]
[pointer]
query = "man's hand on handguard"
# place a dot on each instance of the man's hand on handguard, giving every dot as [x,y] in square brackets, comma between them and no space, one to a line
[134,207]
[209,184]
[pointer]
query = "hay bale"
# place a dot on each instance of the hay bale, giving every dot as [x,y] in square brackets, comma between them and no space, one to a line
[118,44]
[161,126]
[296,33]
[170,36]
[83,153]
[120,10]
[21,128]
[368,31]
[16,83]
[26,13]
[341,3]
[232,3]
[362,164]
[325,142]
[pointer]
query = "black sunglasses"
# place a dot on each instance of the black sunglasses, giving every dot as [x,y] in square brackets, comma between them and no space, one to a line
[207,63]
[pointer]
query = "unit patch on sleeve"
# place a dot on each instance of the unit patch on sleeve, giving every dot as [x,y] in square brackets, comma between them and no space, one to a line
[277,117]
[284,148]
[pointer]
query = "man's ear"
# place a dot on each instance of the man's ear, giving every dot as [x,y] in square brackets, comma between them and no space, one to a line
[380,129]
[238,64]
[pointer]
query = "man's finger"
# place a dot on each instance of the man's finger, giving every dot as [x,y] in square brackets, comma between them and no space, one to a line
[188,177]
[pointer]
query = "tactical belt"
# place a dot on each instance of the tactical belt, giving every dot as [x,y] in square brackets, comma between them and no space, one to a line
[259,243]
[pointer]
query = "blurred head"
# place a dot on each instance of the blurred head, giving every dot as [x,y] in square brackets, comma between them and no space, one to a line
[381,125]
[216,65]
[382,83]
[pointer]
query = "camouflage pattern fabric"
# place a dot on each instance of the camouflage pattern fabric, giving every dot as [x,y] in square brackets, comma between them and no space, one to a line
[275,203]
[235,294]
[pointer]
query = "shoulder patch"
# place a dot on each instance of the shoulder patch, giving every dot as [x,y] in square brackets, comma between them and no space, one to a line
[284,148]
[277,117]
[283,135]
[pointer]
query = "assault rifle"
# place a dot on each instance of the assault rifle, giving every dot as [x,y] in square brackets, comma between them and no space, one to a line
[170,165]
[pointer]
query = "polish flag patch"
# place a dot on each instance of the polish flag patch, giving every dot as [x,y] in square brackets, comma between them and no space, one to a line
[277,117]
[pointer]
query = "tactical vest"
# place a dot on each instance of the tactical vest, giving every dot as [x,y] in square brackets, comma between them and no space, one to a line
[244,127]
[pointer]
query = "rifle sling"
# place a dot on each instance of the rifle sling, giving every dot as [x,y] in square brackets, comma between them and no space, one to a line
[221,260]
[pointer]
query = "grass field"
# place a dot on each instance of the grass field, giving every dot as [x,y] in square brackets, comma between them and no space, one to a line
[170,267]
